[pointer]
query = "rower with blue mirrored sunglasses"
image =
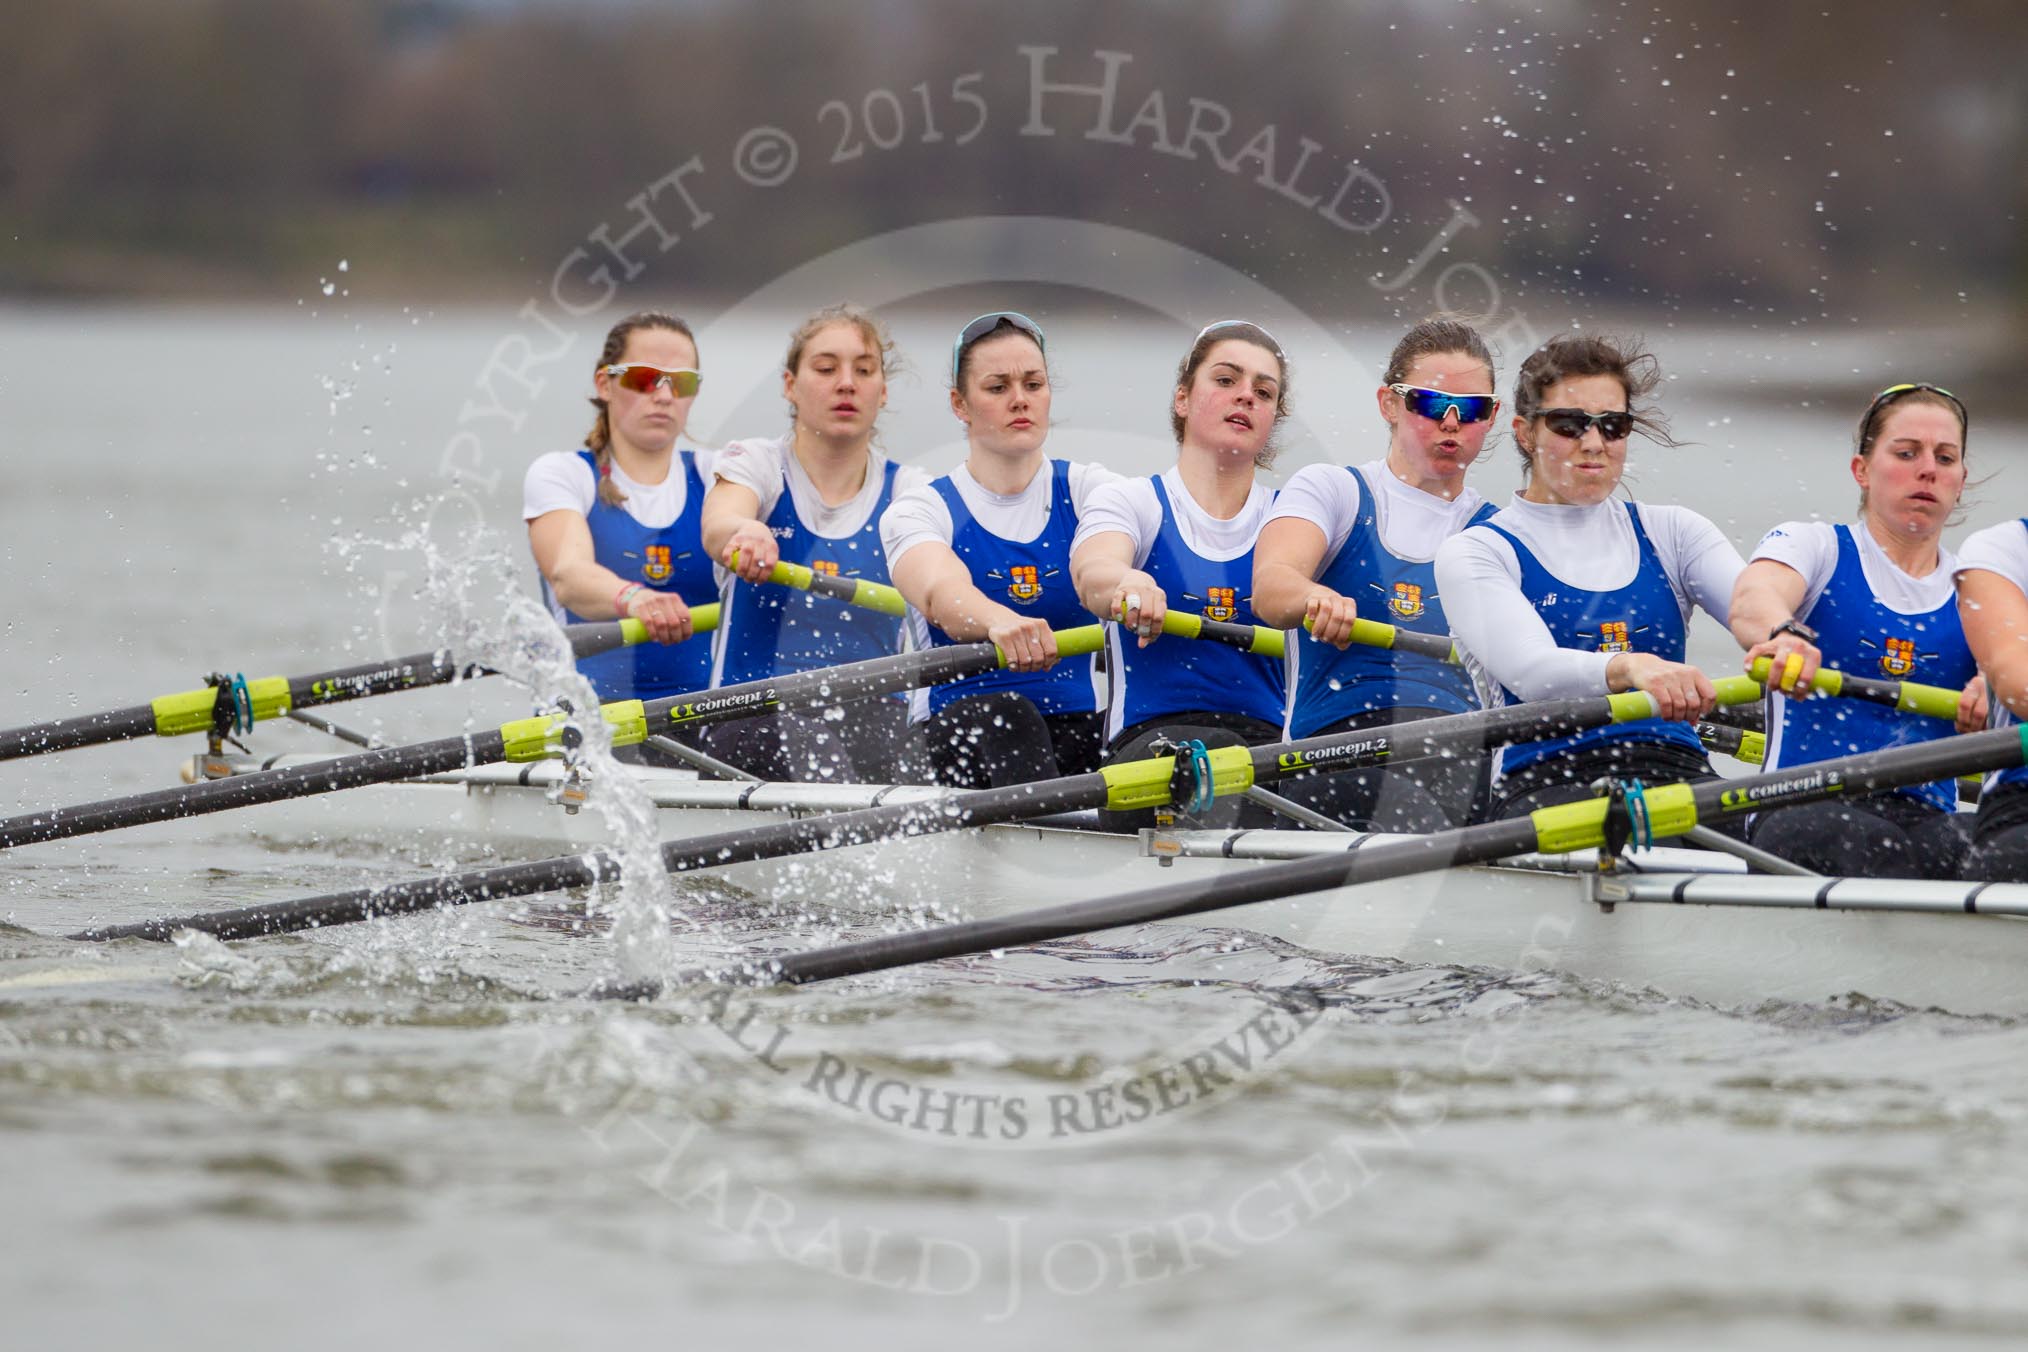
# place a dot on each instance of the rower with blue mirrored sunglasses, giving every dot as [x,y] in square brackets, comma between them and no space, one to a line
[642,378]
[1436,405]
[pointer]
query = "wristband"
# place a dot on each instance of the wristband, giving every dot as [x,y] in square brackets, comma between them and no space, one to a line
[622,597]
[1796,627]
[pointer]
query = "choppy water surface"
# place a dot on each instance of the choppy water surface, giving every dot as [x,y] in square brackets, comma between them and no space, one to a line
[410,1132]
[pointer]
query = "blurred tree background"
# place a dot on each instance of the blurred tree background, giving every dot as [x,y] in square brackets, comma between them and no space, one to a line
[1701,157]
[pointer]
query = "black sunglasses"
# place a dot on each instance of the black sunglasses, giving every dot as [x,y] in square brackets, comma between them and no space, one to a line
[1575,422]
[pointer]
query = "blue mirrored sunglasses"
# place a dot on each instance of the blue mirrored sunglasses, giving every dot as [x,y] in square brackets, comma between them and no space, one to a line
[1436,404]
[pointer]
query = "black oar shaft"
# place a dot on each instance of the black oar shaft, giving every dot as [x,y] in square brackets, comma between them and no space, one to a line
[771,841]
[66,734]
[1374,863]
[267,786]
[192,710]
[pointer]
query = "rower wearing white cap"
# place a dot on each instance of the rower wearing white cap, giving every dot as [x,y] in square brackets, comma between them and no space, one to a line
[984,553]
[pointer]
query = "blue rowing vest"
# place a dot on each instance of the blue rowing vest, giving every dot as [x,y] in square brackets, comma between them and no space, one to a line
[1642,616]
[667,558]
[1032,577]
[1998,715]
[772,630]
[1861,635]
[1179,675]
[1333,685]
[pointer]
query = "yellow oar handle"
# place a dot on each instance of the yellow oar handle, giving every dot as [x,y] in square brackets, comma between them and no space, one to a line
[1082,641]
[1373,634]
[1931,701]
[1253,638]
[703,619]
[853,591]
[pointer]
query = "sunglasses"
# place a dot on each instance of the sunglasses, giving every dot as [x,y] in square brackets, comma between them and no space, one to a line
[642,379]
[1894,392]
[1575,422]
[1218,324]
[1438,404]
[987,324]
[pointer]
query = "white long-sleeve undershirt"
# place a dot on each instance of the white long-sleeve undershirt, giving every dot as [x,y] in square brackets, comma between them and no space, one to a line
[1593,548]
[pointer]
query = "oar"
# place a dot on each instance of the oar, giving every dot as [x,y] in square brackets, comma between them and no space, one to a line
[1742,744]
[1671,811]
[528,739]
[853,591]
[1258,638]
[1932,701]
[190,711]
[1123,786]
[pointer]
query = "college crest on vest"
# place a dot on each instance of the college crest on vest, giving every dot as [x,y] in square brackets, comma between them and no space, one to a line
[1023,583]
[658,568]
[1613,637]
[828,567]
[1222,603]
[1899,658]
[1406,601]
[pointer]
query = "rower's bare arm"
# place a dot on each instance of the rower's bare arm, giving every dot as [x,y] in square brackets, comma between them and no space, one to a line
[562,545]
[1768,595]
[933,579]
[1285,589]
[1110,587]
[732,524]
[1995,616]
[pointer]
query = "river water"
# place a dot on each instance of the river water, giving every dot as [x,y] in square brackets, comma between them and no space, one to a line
[397,1132]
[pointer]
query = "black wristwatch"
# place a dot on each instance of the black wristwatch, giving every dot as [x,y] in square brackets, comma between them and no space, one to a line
[1796,627]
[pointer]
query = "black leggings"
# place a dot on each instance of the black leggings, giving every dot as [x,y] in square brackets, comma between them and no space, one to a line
[999,737]
[1568,778]
[1214,729]
[866,742]
[1432,794]
[1999,852]
[1878,835]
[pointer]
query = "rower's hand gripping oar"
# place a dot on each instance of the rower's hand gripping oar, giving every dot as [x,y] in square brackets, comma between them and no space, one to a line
[528,739]
[248,702]
[1667,812]
[1123,786]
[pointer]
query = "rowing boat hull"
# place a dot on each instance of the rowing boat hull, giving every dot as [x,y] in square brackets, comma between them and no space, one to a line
[1545,917]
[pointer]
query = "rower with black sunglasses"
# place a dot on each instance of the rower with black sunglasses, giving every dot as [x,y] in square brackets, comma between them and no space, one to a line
[614,527]
[984,553]
[1568,593]
[1343,542]
[1874,598]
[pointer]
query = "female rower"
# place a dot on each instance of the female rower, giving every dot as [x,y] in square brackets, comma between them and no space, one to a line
[1185,538]
[1870,599]
[614,526]
[984,553]
[1565,593]
[1992,576]
[813,497]
[1341,539]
